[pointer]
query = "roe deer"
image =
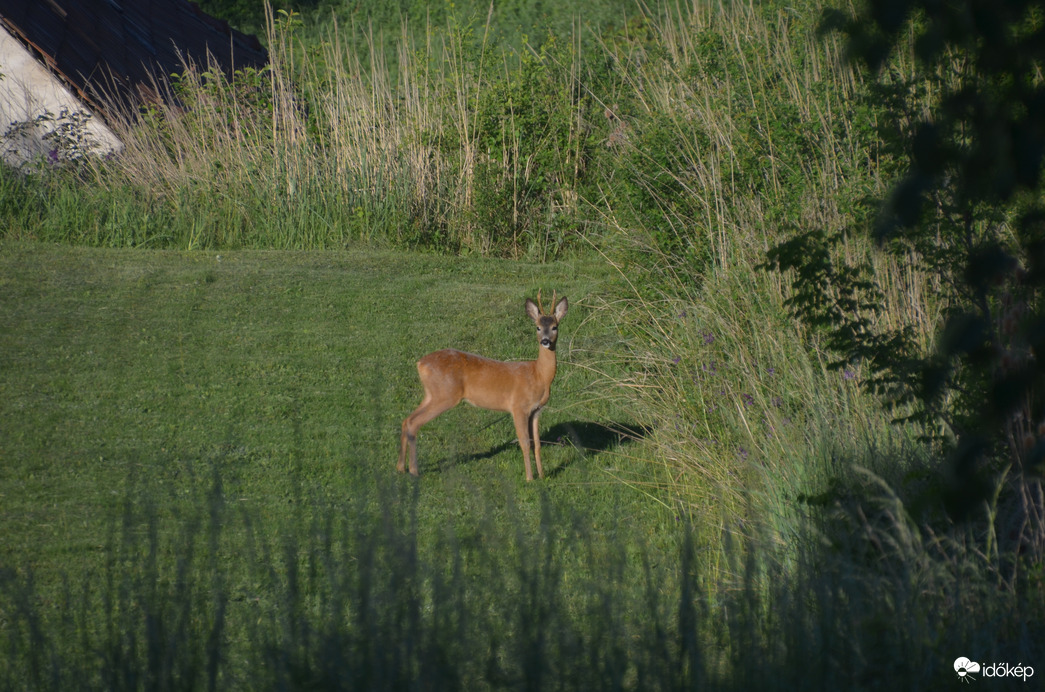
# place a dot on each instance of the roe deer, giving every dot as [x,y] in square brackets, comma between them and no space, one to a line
[520,388]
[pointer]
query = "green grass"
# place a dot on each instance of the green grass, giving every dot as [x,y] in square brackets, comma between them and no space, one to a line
[291,372]
[183,432]
[199,490]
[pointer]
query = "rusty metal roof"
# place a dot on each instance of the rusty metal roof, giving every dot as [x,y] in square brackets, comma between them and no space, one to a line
[120,48]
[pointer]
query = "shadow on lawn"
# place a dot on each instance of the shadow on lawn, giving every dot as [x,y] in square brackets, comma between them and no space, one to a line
[584,436]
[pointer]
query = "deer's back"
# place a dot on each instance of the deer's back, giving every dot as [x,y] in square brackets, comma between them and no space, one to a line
[482,381]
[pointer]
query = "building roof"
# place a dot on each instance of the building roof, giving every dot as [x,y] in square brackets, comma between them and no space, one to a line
[117,50]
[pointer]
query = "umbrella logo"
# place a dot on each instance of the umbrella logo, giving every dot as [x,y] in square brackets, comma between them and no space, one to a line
[965,668]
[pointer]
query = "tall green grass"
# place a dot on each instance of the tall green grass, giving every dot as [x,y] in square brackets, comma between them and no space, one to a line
[759,130]
[456,147]
[354,597]
[457,143]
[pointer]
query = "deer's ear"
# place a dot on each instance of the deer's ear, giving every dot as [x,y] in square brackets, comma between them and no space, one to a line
[560,309]
[532,311]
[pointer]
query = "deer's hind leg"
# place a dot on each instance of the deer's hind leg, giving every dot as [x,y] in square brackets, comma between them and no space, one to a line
[408,438]
[431,406]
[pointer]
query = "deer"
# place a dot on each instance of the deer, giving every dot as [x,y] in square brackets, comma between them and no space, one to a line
[520,388]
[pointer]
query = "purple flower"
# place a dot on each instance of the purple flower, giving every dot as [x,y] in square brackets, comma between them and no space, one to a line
[848,374]
[771,371]
[742,453]
[747,399]
[777,402]
[709,338]
[52,156]
[676,360]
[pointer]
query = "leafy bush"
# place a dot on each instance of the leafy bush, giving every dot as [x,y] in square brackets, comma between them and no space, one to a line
[966,211]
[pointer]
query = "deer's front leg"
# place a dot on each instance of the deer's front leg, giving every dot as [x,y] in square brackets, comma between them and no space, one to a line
[521,425]
[535,435]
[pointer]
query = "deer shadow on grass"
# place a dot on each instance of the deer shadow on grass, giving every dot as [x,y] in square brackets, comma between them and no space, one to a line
[586,437]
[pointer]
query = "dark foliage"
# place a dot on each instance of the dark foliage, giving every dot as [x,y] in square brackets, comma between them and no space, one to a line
[967,209]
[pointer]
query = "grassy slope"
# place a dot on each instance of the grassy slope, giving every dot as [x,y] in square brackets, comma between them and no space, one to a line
[130,372]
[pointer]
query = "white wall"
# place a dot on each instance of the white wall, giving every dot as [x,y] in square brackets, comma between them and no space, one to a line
[28,90]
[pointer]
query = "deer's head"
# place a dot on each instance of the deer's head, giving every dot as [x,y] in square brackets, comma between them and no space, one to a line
[547,325]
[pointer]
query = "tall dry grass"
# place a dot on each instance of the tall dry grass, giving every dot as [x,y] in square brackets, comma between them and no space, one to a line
[764,130]
[327,146]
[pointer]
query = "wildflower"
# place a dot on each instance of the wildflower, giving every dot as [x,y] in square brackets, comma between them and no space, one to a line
[709,338]
[742,453]
[771,371]
[777,402]
[747,399]
[676,360]
[52,156]
[848,374]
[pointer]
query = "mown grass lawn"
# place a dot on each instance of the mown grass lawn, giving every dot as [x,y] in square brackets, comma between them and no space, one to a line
[131,374]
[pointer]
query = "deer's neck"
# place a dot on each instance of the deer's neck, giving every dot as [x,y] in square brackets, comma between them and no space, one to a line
[546,363]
